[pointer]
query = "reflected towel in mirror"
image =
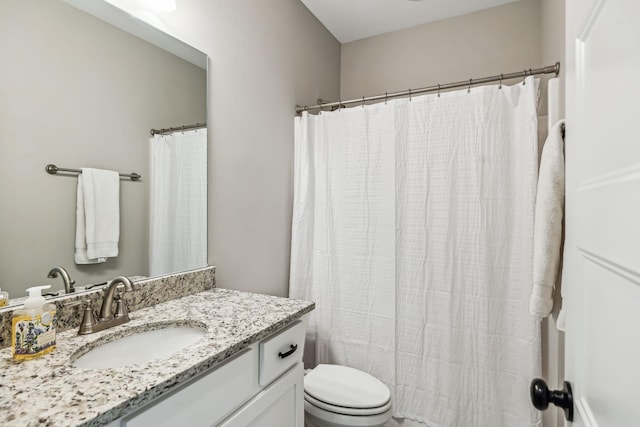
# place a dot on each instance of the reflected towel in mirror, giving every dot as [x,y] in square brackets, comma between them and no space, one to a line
[97,216]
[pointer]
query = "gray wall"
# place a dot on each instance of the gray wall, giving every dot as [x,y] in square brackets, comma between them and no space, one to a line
[553,49]
[266,57]
[498,40]
[78,93]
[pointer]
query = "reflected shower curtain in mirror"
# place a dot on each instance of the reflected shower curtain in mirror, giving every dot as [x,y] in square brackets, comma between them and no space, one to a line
[178,202]
[412,232]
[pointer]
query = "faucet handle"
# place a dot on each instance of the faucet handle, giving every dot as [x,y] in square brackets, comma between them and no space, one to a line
[121,308]
[86,325]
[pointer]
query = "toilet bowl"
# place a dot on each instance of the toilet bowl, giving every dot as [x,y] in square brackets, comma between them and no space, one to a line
[340,396]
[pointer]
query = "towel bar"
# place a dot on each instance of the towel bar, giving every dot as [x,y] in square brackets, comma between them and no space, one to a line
[53,169]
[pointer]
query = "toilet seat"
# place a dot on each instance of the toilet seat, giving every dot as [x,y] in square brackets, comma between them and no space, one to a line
[346,410]
[321,417]
[346,396]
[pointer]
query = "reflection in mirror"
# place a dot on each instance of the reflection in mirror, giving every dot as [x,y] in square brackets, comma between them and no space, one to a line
[79,92]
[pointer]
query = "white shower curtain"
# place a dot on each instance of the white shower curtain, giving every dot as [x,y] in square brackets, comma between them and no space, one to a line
[412,232]
[178,202]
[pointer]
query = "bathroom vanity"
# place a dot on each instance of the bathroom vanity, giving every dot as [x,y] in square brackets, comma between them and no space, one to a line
[254,387]
[246,370]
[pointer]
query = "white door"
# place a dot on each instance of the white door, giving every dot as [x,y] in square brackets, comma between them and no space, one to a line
[602,255]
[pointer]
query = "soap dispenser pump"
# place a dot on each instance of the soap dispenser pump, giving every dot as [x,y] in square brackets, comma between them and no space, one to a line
[33,330]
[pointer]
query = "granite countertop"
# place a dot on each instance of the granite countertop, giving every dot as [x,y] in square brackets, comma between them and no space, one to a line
[48,391]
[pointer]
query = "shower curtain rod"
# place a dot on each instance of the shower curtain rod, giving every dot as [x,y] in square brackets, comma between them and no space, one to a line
[177,129]
[436,88]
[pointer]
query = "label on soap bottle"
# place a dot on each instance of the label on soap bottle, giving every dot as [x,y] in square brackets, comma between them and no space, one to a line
[33,336]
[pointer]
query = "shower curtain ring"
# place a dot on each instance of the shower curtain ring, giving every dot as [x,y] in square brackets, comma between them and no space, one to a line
[386,96]
[438,90]
[524,77]
[409,95]
[469,88]
[501,77]
[363,102]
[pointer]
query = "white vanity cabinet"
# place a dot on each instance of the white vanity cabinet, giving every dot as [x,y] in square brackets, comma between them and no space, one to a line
[260,386]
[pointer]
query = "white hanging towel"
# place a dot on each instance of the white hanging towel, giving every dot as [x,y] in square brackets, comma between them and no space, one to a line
[547,238]
[97,216]
[81,233]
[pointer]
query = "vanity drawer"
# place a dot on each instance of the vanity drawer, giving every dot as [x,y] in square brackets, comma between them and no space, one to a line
[206,400]
[281,351]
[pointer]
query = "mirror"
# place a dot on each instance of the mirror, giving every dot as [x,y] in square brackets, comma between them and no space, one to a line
[80,92]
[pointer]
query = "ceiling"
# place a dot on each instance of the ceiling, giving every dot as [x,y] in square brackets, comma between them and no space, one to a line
[350,20]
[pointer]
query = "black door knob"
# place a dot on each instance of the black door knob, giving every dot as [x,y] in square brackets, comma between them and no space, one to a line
[541,396]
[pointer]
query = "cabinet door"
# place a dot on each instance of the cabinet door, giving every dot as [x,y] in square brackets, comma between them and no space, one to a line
[206,400]
[279,405]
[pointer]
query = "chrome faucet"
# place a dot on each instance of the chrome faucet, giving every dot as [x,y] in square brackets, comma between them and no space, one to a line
[68,283]
[107,318]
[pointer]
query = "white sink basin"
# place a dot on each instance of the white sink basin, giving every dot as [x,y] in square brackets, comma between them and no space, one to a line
[140,347]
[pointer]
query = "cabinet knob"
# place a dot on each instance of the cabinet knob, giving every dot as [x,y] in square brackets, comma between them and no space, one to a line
[541,396]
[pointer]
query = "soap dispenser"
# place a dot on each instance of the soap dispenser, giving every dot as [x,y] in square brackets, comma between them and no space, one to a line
[4,298]
[33,330]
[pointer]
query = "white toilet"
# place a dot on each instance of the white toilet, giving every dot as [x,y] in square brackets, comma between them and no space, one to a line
[339,396]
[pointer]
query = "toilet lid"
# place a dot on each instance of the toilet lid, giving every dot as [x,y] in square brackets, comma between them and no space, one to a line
[347,387]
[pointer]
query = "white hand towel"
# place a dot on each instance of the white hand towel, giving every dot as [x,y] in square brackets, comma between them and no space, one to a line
[547,239]
[101,194]
[81,233]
